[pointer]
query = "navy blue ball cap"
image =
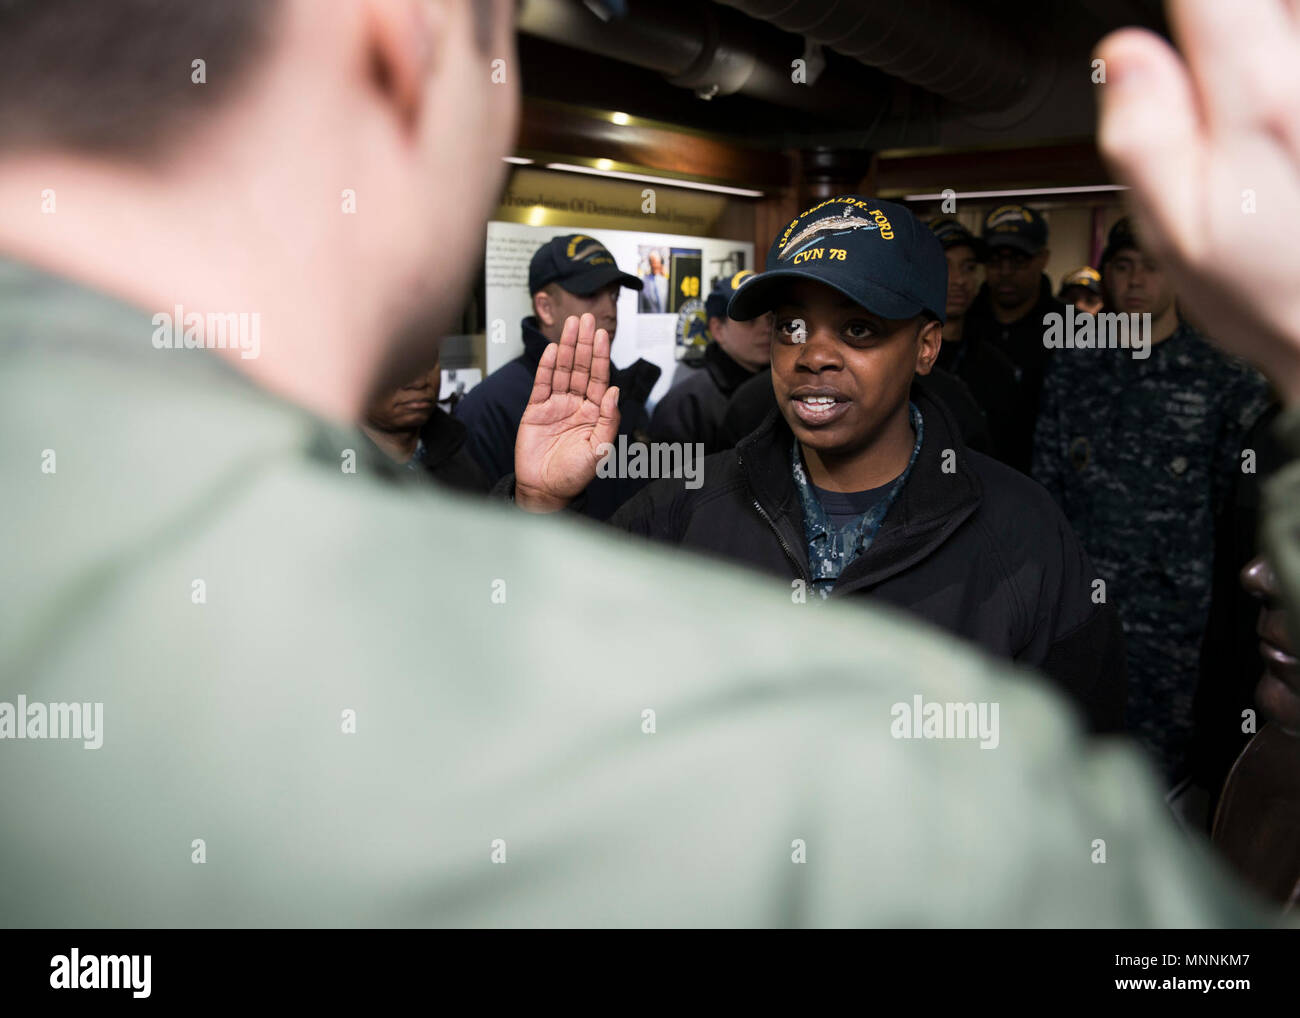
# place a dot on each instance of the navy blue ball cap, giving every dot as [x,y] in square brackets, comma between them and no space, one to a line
[1121,238]
[580,264]
[1086,277]
[952,234]
[715,306]
[874,252]
[1015,226]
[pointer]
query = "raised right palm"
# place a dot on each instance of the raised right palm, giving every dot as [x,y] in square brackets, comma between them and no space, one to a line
[571,413]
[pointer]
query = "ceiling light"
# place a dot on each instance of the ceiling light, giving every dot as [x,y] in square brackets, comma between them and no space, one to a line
[693,185]
[1024,192]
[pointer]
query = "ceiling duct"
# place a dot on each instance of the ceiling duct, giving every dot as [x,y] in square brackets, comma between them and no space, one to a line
[952,49]
[709,49]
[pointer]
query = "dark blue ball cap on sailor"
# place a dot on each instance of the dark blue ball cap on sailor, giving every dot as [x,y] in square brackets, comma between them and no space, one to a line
[874,252]
[715,306]
[952,234]
[1015,226]
[580,264]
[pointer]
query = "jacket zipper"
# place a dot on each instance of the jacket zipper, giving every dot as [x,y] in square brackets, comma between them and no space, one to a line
[794,561]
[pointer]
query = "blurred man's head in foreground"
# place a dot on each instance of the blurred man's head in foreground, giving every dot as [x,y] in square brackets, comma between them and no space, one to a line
[328,166]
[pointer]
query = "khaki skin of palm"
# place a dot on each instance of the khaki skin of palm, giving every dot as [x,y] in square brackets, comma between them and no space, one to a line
[572,411]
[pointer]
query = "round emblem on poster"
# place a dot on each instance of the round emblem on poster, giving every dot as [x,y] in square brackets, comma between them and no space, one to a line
[692,331]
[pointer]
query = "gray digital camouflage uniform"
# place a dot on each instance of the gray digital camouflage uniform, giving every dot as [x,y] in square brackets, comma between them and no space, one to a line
[1139,453]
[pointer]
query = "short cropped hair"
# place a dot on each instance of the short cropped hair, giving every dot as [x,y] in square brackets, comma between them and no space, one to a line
[118,76]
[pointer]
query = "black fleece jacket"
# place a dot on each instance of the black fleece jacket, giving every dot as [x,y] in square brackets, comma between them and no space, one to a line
[693,410]
[446,457]
[1015,413]
[970,545]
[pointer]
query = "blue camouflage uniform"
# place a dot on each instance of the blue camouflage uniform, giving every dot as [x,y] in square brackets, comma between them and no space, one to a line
[1140,453]
[832,548]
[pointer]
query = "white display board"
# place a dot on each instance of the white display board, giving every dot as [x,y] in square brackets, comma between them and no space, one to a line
[643,331]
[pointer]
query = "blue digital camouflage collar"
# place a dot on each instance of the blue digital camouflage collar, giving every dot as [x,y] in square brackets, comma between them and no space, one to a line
[832,549]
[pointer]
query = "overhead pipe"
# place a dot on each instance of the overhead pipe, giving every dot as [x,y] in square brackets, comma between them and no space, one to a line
[953,49]
[708,49]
